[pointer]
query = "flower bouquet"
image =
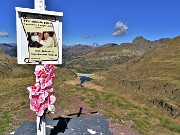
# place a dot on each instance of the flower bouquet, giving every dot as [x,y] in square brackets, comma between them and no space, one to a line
[39,93]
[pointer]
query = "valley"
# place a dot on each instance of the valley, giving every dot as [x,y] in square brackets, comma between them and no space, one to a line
[135,85]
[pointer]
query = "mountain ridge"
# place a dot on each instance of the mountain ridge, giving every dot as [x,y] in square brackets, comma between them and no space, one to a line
[110,55]
[152,79]
[9,48]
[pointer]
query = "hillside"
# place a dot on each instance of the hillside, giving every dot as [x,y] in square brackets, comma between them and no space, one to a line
[145,45]
[145,73]
[152,79]
[73,54]
[110,54]
[9,49]
[114,94]
[10,68]
[78,49]
[14,80]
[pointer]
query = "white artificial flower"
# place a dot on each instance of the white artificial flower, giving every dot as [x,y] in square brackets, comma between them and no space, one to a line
[51,108]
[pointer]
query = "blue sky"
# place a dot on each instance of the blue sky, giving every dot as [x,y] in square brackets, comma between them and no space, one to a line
[102,21]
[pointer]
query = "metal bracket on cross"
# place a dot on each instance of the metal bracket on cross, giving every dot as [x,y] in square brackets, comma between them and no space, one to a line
[39,4]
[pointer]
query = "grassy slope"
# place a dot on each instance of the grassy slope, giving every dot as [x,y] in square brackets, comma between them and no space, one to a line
[105,57]
[159,69]
[154,77]
[114,101]
[14,105]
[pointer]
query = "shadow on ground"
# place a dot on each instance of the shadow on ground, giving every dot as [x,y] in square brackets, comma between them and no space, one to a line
[61,125]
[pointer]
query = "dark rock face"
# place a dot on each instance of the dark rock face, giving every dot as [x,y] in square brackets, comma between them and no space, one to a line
[171,108]
[146,45]
[168,104]
[140,41]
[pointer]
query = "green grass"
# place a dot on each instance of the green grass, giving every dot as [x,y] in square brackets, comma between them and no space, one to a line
[141,115]
[68,96]
[14,95]
[120,99]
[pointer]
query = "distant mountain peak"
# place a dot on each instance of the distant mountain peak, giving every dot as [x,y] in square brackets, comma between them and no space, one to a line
[139,39]
[95,45]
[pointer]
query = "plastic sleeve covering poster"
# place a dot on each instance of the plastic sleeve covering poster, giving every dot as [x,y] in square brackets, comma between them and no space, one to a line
[42,41]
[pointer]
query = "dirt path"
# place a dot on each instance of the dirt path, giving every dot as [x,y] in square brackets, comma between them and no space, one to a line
[115,128]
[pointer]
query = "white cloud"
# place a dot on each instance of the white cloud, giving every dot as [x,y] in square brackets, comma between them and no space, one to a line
[4,33]
[120,29]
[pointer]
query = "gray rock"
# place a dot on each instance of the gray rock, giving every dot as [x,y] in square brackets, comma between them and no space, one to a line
[83,125]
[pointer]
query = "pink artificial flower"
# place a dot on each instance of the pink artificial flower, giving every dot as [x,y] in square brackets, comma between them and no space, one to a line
[52,99]
[48,89]
[40,71]
[40,112]
[49,68]
[34,89]
[34,105]
[46,83]
[43,106]
[53,76]
[40,99]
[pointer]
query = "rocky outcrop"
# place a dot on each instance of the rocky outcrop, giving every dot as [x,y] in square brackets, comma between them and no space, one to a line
[169,107]
[145,45]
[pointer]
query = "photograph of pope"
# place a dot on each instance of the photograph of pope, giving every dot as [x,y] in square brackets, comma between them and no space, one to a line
[44,39]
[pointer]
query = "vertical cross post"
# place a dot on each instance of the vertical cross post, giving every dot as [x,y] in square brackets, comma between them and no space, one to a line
[41,121]
[41,125]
